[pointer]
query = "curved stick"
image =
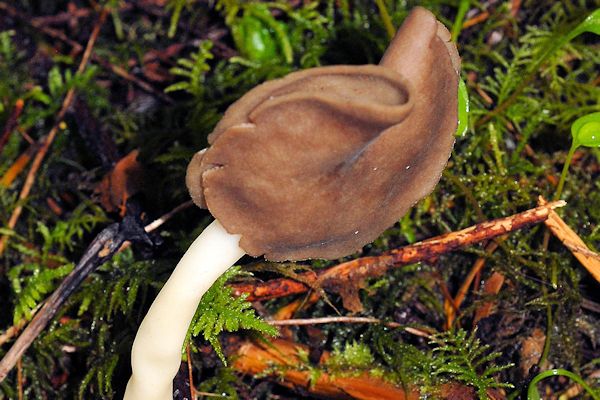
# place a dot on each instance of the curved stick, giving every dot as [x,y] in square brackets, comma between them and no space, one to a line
[156,353]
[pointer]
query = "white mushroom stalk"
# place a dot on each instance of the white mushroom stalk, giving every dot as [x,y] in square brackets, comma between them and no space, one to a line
[156,353]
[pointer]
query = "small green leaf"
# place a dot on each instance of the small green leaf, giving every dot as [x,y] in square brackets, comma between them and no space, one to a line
[533,394]
[254,39]
[590,24]
[463,109]
[586,130]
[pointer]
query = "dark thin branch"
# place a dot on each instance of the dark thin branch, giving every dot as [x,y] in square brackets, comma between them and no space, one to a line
[100,250]
[111,240]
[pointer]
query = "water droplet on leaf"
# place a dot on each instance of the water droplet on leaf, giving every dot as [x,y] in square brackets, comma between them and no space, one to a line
[463,109]
[586,130]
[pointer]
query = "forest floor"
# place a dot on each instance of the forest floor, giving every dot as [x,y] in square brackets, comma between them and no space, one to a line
[104,103]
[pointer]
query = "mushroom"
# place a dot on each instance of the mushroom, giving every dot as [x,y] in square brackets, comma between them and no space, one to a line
[314,165]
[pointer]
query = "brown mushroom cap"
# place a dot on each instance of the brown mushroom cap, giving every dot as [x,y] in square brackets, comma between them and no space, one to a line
[319,163]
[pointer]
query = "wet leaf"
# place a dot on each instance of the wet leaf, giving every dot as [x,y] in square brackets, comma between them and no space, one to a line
[586,130]
[125,180]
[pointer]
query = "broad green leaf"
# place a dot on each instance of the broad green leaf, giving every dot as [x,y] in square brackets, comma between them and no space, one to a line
[586,130]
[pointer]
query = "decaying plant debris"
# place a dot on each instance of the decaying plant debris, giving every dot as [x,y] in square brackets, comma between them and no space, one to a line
[102,105]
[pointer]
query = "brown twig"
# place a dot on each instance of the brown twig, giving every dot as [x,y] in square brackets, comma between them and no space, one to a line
[348,320]
[68,16]
[11,122]
[188,352]
[12,331]
[476,20]
[346,278]
[157,223]
[16,328]
[20,379]
[49,138]
[515,6]
[332,320]
[559,228]
[120,72]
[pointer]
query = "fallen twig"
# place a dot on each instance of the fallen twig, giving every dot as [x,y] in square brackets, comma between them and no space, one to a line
[476,20]
[68,16]
[348,320]
[332,320]
[515,6]
[18,166]
[16,328]
[109,241]
[49,138]
[11,123]
[347,278]
[588,258]
[101,249]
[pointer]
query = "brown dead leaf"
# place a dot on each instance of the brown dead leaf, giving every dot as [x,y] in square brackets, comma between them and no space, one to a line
[156,63]
[125,180]
[153,71]
[532,348]
[491,286]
